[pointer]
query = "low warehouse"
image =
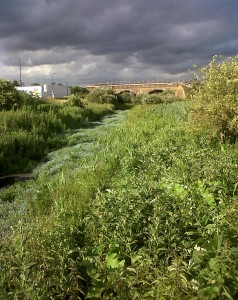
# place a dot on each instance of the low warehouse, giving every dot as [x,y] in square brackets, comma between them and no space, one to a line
[46,91]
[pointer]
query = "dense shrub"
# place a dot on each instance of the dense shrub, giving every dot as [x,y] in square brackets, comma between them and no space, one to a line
[29,120]
[215,101]
[151,99]
[169,96]
[9,96]
[166,96]
[74,100]
[101,95]
[126,97]
[29,132]
[80,91]
[26,137]
[26,99]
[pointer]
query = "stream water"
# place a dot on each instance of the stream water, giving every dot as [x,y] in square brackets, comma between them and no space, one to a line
[82,146]
[81,143]
[13,178]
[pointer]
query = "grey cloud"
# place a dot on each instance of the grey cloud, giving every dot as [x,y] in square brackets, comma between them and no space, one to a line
[141,37]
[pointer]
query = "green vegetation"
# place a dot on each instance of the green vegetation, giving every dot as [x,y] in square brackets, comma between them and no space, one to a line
[147,216]
[8,95]
[80,91]
[216,99]
[166,96]
[143,210]
[102,96]
[30,127]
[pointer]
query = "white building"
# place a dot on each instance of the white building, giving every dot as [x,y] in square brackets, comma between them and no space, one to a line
[55,91]
[35,90]
[46,91]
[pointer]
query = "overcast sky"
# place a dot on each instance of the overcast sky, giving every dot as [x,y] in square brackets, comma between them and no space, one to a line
[86,41]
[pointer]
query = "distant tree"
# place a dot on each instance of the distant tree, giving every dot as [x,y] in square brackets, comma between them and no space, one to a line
[126,97]
[81,91]
[101,95]
[36,84]
[16,83]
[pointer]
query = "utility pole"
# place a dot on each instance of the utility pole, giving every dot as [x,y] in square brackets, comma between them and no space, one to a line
[67,88]
[20,70]
[52,82]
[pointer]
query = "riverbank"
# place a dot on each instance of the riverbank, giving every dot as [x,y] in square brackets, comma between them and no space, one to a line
[13,178]
[144,216]
[30,132]
[82,150]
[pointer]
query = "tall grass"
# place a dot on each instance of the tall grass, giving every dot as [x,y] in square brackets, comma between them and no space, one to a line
[148,217]
[28,133]
[160,228]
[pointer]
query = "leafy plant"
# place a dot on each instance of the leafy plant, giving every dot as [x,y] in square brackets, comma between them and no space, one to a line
[9,96]
[148,211]
[100,95]
[79,91]
[74,100]
[215,101]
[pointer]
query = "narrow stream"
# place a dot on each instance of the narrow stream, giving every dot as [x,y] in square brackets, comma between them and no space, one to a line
[13,178]
[82,147]
[81,144]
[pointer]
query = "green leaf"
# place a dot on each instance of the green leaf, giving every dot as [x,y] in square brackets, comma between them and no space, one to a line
[190,232]
[209,198]
[218,241]
[135,259]
[113,262]
[215,264]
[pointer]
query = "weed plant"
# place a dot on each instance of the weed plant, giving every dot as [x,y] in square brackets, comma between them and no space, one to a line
[167,96]
[152,214]
[215,99]
[160,230]
[28,133]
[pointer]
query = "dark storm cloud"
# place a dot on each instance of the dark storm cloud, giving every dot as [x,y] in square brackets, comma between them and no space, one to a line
[131,36]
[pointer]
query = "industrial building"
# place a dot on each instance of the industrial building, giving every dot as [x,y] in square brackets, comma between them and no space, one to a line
[47,90]
[55,91]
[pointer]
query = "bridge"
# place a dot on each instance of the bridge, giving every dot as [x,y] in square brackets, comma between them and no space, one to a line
[144,87]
